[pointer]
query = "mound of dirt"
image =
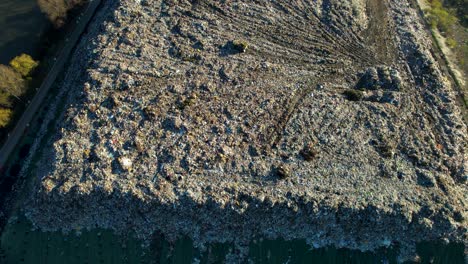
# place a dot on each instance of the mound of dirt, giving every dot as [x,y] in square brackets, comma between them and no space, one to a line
[223,120]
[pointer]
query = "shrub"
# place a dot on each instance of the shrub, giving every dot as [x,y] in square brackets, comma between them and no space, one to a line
[451,43]
[24,64]
[440,17]
[5,116]
[56,11]
[460,7]
[240,45]
[5,100]
[308,152]
[11,82]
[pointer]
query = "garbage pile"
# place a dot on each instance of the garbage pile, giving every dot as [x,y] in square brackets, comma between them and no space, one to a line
[230,120]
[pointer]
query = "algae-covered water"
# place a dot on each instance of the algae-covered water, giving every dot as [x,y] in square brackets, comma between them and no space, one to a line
[21,244]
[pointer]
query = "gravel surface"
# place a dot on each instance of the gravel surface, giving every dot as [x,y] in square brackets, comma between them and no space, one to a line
[226,120]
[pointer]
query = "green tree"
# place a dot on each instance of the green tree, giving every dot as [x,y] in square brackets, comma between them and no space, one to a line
[5,116]
[5,100]
[440,17]
[461,7]
[24,64]
[11,82]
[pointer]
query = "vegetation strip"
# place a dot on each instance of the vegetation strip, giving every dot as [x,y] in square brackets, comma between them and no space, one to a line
[439,18]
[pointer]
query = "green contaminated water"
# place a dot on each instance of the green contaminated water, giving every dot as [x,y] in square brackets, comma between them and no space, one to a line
[21,244]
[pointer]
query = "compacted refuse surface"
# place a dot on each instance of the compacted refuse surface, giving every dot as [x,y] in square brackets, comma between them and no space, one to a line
[225,121]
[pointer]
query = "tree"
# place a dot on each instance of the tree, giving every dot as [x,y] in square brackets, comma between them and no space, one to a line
[5,100]
[5,116]
[56,10]
[11,81]
[461,7]
[24,64]
[440,17]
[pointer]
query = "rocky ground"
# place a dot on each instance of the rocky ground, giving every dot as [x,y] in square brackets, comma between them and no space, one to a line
[226,120]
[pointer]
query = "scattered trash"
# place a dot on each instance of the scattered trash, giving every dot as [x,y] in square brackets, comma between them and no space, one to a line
[125,163]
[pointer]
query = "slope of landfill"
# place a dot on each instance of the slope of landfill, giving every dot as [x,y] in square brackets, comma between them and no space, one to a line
[323,120]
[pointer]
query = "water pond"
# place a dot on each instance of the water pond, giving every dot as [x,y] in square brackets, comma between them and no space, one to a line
[21,27]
